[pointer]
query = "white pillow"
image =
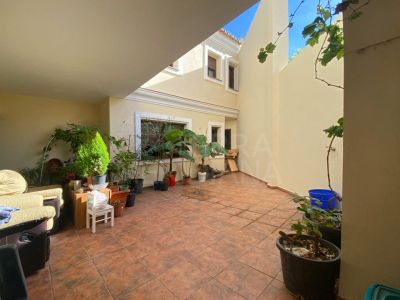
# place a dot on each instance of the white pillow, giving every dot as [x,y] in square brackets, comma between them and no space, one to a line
[12,182]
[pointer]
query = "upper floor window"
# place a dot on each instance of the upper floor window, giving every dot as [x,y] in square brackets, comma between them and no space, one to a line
[175,67]
[213,65]
[232,74]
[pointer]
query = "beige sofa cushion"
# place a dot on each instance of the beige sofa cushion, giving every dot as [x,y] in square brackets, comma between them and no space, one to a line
[12,182]
[31,214]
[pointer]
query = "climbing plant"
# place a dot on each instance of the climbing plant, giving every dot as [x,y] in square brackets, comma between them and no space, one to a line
[322,28]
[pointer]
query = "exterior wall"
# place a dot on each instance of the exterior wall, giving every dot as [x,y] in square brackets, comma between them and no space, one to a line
[283,110]
[306,107]
[191,84]
[26,124]
[122,124]
[370,229]
[257,121]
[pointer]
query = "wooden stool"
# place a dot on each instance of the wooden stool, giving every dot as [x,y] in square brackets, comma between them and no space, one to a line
[99,212]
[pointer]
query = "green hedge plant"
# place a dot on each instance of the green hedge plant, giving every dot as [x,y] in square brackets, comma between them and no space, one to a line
[92,157]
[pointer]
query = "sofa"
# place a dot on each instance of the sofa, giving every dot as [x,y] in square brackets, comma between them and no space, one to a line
[28,229]
[13,185]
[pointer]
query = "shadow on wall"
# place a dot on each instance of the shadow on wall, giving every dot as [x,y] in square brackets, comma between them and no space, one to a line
[194,86]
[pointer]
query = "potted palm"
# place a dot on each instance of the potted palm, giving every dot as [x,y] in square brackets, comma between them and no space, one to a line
[186,155]
[206,149]
[92,160]
[152,145]
[173,143]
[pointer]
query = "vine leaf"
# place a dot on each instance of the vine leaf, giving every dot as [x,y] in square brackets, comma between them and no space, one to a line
[354,15]
[270,48]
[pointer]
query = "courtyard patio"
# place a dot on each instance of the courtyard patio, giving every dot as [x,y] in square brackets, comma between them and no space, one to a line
[214,240]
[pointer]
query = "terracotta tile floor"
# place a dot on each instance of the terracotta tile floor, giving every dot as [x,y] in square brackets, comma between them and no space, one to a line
[214,240]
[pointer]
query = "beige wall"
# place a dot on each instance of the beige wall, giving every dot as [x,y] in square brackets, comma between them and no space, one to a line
[26,124]
[306,107]
[283,110]
[257,119]
[122,124]
[192,84]
[371,206]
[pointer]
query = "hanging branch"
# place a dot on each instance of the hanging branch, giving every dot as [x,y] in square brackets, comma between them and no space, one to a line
[332,44]
[333,132]
[269,49]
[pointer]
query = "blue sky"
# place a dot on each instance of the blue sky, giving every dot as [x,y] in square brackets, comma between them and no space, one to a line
[240,25]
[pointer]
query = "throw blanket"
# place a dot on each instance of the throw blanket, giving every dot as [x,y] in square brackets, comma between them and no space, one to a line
[5,214]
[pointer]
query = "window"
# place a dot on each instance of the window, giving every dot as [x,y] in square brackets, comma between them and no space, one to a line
[213,65]
[232,74]
[175,68]
[149,127]
[228,139]
[231,77]
[214,134]
[152,132]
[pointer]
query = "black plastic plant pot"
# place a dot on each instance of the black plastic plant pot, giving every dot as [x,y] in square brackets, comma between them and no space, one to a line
[130,199]
[309,278]
[137,185]
[332,235]
[157,185]
[164,185]
[210,174]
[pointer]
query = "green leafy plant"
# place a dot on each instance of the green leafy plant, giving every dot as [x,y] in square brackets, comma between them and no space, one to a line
[206,149]
[173,144]
[122,164]
[330,218]
[92,157]
[74,135]
[154,149]
[334,131]
[186,153]
[307,230]
[117,203]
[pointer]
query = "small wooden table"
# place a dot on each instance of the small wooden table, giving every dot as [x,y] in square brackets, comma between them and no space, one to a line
[79,206]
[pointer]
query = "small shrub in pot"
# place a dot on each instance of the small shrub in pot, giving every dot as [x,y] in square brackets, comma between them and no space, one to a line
[310,265]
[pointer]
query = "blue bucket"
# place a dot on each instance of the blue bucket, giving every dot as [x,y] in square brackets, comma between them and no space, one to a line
[326,197]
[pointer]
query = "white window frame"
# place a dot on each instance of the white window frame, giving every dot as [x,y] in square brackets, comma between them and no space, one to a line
[221,139]
[177,68]
[232,62]
[139,116]
[220,57]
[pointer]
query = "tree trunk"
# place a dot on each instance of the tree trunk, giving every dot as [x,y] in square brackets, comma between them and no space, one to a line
[327,162]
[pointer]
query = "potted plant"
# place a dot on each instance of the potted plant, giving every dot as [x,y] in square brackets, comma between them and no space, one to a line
[92,160]
[310,264]
[154,148]
[140,163]
[130,199]
[328,198]
[122,164]
[205,149]
[174,143]
[329,221]
[188,137]
[118,208]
